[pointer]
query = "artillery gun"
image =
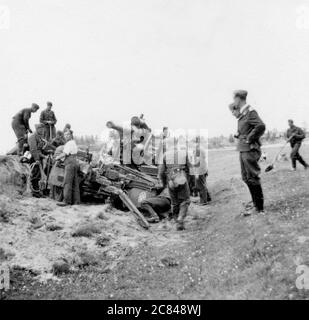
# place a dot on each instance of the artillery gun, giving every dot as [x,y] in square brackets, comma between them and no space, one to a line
[124,186]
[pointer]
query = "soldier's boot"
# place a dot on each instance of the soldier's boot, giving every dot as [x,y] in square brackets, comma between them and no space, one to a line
[174,213]
[203,197]
[35,188]
[303,162]
[259,198]
[252,204]
[258,201]
[208,196]
[184,206]
[153,217]
[293,164]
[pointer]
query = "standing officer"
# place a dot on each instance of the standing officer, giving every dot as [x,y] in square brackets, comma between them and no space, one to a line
[297,135]
[49,120]
[250,130]
[20,125]
[174,170]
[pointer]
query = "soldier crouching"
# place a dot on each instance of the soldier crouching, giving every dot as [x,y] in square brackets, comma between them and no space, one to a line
[158,207]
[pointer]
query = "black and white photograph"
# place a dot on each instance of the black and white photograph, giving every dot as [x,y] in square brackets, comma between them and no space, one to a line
[155,151]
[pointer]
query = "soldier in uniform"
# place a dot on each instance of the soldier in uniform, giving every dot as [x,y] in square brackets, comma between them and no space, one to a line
[71,191]
[67,127]
[36,146]
[49,120]
[20,125]
[174,170]
[297,135]
[161,149]
[157,207]
[250,130]
[58,140]
[200,173]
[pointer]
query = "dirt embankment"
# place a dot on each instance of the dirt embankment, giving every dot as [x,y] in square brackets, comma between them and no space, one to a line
[98,253]
[36,234]
[13,176]
[40,237]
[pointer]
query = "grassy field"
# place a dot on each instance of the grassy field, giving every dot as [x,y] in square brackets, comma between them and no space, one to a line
[221,255]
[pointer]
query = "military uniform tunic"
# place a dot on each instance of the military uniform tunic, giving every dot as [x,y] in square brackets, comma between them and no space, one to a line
[298,136]
[174,170]
[36,145]
[49,120]
[20,125]
[250,130]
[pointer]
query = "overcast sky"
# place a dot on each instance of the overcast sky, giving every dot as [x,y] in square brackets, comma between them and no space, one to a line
[176,61]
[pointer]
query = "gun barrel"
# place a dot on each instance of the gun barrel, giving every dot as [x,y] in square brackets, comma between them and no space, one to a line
[130,205]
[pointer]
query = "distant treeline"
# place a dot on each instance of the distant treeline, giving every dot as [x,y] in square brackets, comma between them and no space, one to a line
[270,136]
[88,141]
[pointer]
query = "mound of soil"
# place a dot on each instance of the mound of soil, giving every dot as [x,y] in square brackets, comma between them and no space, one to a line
[14,176]
[37,234]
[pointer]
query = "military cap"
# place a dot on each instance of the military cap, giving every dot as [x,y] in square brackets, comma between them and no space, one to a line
[34,105]
[135,121]
[242,94]
[49,103]
[59,133]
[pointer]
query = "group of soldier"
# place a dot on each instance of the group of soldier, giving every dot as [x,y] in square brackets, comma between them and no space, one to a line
[179,177]
[41,144]
[249,132]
